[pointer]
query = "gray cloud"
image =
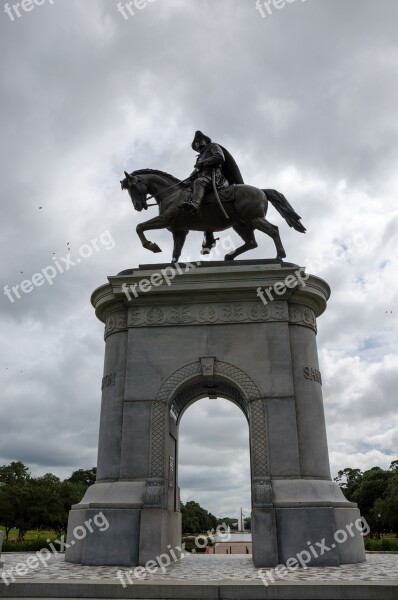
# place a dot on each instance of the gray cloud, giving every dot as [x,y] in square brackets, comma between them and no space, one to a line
[306,101]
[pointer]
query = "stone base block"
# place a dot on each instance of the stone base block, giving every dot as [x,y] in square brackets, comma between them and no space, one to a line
[352,550]
[160,533]
[115,545]
[300,530]
[126,537]
[322,537]
[265,549]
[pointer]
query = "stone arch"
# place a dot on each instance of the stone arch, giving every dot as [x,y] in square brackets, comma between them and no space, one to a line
[190,380]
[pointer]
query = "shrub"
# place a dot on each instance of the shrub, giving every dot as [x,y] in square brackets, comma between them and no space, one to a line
[26,546]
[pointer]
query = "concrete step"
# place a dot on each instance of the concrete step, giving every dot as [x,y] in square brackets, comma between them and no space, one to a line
[199,590]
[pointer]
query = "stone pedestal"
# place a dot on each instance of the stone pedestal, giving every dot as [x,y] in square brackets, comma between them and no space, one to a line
[206,333]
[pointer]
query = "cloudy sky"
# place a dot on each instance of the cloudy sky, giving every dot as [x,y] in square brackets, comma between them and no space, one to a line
[305,98]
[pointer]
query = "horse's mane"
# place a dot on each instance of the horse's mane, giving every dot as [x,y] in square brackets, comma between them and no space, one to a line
[155,172]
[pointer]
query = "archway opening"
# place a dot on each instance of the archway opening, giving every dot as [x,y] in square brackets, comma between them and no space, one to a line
[213,459]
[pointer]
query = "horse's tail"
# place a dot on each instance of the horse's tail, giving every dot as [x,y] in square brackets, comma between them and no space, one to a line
[283,207]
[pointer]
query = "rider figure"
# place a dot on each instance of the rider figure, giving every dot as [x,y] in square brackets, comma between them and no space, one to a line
[211,157]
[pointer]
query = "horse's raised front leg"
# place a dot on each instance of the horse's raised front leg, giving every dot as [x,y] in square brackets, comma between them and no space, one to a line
[179,241]
[159,222]
[272,231]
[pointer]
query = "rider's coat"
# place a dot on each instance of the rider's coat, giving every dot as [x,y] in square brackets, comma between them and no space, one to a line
[212,157]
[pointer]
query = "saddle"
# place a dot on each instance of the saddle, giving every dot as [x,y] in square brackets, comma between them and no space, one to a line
[227,194]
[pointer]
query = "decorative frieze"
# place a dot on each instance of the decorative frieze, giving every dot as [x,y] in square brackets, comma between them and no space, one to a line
[232,312]
[200,314]
[116,322]
[302,315]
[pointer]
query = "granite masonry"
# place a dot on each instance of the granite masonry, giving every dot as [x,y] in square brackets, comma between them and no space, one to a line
[207,333]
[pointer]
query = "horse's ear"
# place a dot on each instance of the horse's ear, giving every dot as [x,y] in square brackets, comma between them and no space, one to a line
[127,175]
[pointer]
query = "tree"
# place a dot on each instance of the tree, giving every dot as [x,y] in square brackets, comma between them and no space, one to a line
[14,473]
[376,494]
[7,509]
[386,509]
[196,519]
[38,503]
[349,480]
[84,477]
[231,523]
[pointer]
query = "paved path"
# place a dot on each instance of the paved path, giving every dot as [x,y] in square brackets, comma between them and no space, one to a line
[208,568]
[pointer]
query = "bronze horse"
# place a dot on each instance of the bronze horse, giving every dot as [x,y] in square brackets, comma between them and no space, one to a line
[246,209]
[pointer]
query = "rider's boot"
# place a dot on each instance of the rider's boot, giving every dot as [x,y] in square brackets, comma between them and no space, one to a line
[198,192]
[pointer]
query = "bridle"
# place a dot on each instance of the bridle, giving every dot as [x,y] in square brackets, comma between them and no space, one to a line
[142,190]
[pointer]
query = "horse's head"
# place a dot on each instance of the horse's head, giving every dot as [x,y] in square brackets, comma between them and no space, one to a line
[137,190]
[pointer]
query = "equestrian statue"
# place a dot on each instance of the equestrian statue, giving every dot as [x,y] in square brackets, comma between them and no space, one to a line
[212,199]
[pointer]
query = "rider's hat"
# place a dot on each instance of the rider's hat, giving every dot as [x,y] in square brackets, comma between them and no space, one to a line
[199,135]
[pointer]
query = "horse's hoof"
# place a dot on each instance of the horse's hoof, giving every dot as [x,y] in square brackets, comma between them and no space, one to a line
[229,257]
[281,256]
[152,247]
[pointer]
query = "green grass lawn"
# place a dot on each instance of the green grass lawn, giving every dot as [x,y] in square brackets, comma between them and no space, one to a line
[35,540]
[31,535]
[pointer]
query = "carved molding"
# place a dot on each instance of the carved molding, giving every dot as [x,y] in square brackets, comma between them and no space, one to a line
[261,492]
[259,439]
[242,379]
[200,314]
[155,494]
[116,322]
[302,315]
[216,313]
[176,379]
[158,438]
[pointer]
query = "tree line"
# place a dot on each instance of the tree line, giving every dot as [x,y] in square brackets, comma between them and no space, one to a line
[376,493]
[196,519]
[40,503]
[43,503]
